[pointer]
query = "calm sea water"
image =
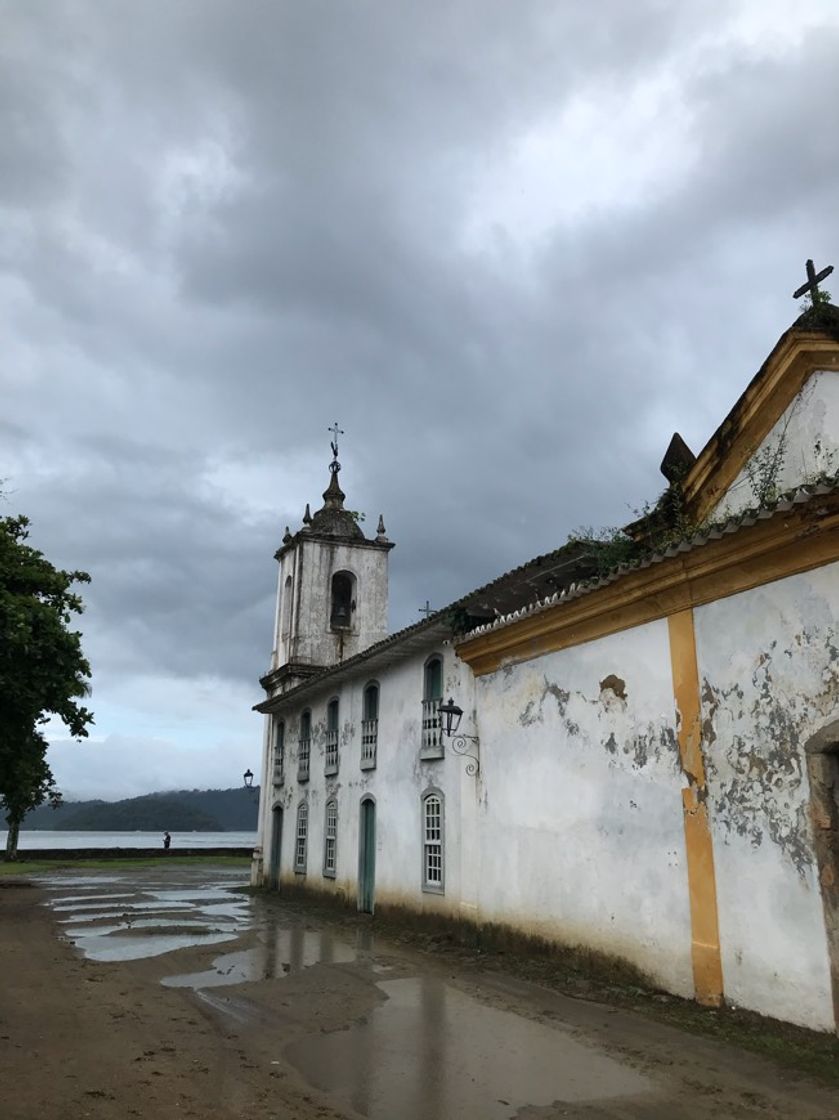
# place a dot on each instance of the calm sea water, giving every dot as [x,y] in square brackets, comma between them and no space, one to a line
[41,840]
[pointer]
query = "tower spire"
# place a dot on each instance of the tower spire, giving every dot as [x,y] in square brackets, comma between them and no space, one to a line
[333,495]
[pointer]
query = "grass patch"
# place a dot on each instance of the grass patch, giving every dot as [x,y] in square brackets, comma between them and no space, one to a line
[37,866]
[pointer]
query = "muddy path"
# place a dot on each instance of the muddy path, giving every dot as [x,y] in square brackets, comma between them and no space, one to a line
[169,993]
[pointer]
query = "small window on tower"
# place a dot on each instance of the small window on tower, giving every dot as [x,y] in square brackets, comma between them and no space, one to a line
[285,626]
[343,601]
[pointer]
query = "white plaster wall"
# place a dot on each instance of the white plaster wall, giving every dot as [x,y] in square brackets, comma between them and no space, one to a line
[581,825]
[397,785]
[769,668]
[809,430]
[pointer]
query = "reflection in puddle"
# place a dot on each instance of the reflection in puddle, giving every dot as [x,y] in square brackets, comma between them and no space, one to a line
[431,1053]
[283,951]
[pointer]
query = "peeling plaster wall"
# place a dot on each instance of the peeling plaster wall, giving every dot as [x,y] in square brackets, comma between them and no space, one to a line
[397,784]
[769,673]
[574,830]
[581,822]
[809,433]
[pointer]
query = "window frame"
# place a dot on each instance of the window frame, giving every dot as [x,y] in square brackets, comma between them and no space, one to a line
[332,757]
[304,757]
[431,730]
[278,747]
[285,611]
[430,886]
[330,837]
[370,734]
[301,838]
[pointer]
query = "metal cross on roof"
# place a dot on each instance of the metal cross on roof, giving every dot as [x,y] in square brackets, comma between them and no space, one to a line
[813,281]
[427,609]
[333,443]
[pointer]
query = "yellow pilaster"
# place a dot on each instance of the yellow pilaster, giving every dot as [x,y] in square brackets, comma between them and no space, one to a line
[705,934]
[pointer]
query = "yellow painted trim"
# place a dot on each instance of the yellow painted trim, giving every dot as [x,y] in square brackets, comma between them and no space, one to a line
[699,848]
[806,537]
[797,356]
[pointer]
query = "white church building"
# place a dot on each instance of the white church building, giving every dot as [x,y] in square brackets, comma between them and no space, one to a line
[647,762]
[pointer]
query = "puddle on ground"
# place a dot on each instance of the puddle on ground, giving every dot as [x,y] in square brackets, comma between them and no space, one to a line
[109,948]
[208,895]
[237,1009]
[431,1052]
[85,931]
[83,898]
[282,952]
[109,915]
[148,914]
[126,906]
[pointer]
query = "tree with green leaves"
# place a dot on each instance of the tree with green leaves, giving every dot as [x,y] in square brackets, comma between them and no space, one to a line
[43,672]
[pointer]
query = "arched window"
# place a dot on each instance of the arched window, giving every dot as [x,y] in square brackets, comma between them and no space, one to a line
[330,839]
[432,695]
[332,736]
[432,842]
[369,726]
[343,601]
[304,746]
[279,752]
[301,839]
[285,610]
[433,681]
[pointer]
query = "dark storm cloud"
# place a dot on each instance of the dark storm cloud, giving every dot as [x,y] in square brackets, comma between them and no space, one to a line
[510,247]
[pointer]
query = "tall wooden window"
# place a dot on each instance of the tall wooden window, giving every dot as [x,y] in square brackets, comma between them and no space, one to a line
[432,842]
[285,611]
[369,726]
[301,839]
[279,752]
[330,839]
[432,695]
[304,746]
[332,736]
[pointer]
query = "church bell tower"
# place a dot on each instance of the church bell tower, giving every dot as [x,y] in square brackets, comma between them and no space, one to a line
[332,593]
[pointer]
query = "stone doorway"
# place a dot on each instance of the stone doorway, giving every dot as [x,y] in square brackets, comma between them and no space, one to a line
[823,770]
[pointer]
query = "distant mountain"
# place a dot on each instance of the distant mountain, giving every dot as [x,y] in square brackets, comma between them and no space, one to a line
[196,810]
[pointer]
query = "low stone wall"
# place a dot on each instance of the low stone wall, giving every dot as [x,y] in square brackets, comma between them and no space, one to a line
[25,854]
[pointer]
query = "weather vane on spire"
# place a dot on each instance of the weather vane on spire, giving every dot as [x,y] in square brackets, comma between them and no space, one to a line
[335,466]
[812,285]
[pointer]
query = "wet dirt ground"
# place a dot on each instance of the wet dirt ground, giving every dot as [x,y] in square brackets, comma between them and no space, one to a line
[167,993]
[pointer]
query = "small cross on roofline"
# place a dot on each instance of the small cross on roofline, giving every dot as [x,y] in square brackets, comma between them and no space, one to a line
[813,281]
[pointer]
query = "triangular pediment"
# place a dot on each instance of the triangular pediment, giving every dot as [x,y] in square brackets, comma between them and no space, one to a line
[762,420]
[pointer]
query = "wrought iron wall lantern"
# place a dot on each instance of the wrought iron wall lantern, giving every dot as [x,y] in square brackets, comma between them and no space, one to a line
[466,745]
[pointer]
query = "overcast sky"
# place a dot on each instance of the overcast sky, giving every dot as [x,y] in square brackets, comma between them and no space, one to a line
[511,247]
